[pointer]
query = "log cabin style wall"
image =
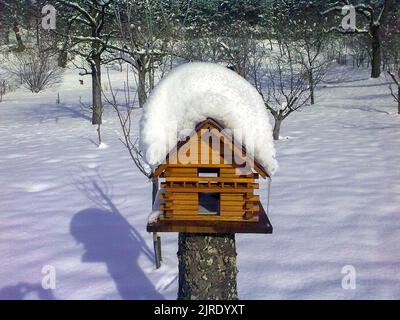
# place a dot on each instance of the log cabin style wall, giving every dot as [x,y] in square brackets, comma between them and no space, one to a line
[211,186]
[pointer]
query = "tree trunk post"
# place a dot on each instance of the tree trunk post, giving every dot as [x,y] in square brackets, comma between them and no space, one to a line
[156,237]
[207,267]
[157,249]
[154,191]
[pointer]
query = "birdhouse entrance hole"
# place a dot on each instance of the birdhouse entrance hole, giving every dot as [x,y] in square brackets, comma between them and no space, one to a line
[209,203]
[208,172]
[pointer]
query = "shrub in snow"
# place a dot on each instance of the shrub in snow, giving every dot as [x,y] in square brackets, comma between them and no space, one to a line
[4,88]
[36,70]
[283,82]
[6,82]
[194,92]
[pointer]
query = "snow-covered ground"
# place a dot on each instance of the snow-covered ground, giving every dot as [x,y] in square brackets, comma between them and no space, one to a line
[65,203]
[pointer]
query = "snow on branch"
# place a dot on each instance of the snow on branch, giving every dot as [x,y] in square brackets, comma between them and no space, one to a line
[349,31]
[80,9]
[366,10]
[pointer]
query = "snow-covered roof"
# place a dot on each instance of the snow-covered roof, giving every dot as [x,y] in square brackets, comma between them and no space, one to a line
[193,92]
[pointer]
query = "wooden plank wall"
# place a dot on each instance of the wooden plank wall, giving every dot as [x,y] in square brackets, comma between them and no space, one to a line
[181,200]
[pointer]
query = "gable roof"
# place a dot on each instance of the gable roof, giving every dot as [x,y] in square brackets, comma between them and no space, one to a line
[208,124]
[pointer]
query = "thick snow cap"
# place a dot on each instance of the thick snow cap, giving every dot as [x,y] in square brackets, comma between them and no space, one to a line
[193,92]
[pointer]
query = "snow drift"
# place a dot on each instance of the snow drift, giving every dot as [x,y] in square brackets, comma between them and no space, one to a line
[194,92]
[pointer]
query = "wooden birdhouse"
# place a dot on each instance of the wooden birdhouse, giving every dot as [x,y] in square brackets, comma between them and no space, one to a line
[208,185]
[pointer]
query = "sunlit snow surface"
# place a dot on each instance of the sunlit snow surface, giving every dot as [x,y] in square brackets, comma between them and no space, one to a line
[67,203]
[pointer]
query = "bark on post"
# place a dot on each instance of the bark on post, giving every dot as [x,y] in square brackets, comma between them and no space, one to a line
[155,188]
[207,267]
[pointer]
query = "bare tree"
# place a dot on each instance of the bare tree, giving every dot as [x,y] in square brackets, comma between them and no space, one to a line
[235,49]
[392,44]
[395,87]
[311,56]
[258,58]
[124,112]
[309,41]
[12,16]
[89,37]
[375,15]
[3,88]
[37,70]
[283,85]
[144,32]
[207,49]
[6,82]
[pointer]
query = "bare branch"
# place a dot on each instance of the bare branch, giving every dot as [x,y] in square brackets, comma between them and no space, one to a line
[125,121]
[86,14]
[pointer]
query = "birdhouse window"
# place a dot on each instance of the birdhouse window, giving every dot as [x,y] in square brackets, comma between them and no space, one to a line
[209,203]
[208,172]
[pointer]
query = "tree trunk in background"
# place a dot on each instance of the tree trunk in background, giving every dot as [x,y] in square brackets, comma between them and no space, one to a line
[38,26]
[376,52]
[311,83]
[63,56]
[62,59]
[96,92]
[141,69]
[277,129]
[7,37]
[398,101]
[142,88]
[151,75]
[21,46]
[207,267]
